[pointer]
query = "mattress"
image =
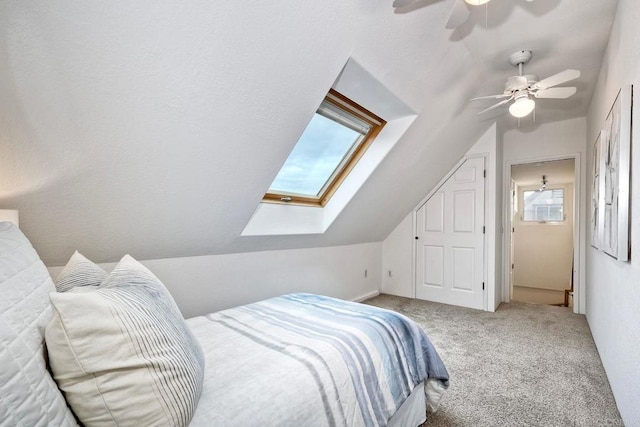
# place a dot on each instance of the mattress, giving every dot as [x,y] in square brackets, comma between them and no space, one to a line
[304,359]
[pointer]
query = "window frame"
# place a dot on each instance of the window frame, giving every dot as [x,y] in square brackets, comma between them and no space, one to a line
[549,222]
[334,181]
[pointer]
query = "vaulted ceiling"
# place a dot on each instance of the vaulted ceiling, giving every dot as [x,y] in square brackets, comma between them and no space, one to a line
[154,128]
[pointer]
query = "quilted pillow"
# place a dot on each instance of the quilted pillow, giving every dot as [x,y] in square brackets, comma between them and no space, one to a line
[78,272]
[123,354]
[28,394]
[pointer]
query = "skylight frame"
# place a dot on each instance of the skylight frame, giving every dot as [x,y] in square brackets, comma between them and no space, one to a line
[349,161]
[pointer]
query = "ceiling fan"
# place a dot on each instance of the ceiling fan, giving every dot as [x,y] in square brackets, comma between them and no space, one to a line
[459,14]
[521,89]
[544,183]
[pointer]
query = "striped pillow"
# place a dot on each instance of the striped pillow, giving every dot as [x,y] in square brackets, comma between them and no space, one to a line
[123,354]
[78,272]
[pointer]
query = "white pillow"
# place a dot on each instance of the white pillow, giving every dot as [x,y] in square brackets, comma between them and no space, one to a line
[28,394]
[123,354]
[78,272]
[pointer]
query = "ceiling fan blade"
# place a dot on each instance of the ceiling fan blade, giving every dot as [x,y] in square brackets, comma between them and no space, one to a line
[556,92]
[496,105]
[557,79]
[402,3]
[458,15]
[502,95]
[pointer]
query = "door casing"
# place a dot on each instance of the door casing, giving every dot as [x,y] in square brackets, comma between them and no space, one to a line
[579,300]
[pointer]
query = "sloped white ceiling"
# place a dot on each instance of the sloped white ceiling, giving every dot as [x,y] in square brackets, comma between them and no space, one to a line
[154,128]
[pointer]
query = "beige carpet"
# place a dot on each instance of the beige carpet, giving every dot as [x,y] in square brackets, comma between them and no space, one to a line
[524,365]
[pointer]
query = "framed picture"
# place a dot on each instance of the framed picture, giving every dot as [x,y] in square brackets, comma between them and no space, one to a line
[616,154]
[597,191]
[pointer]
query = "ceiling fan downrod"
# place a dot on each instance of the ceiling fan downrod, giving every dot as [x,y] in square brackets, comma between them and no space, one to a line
[519,58]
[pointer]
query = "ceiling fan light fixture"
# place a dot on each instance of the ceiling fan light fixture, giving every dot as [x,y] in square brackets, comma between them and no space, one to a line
[477,2]
[544,183]
[522,107]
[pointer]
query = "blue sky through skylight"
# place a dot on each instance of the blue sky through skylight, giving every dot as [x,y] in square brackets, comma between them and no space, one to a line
[315,157]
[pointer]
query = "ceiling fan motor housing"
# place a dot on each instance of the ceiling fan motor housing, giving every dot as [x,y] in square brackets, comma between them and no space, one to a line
[521,94]
[516,83]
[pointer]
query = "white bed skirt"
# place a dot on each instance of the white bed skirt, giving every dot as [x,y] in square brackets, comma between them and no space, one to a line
[413,411]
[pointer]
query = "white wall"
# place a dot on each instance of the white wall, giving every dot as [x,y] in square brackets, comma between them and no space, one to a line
[397,258]
[549,141]
[543,254]
[204,284]
[613,287]
[398,247]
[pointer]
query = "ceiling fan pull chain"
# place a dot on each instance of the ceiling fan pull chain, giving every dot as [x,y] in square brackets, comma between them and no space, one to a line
[486,16]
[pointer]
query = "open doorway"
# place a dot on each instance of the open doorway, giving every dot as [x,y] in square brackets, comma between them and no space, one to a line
[541,248]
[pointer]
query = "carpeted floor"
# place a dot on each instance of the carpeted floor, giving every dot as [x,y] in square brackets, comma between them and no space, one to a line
[524,365]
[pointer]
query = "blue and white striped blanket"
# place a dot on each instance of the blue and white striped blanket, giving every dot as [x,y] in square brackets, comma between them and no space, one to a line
[303,359]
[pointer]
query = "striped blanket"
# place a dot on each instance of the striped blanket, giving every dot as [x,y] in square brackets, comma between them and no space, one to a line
[303,359]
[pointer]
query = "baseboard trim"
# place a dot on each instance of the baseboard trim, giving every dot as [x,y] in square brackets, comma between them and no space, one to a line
[366,296]
[536,288]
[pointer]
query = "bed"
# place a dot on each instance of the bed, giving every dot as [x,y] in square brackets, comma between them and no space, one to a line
[319,360]
[297,359]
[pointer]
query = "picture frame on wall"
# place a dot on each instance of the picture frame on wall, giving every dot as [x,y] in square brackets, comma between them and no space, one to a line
[616,153]
[597,191]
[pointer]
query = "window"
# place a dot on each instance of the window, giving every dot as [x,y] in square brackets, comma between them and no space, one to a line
[332,143]
[543,206]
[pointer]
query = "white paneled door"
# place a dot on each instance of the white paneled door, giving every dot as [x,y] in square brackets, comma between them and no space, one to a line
[450,240]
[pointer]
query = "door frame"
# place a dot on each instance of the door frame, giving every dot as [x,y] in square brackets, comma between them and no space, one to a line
[578,224]
[414,250]
[513,194]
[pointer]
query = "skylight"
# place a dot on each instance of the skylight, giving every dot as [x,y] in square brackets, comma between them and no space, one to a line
[320,150]
[333,141]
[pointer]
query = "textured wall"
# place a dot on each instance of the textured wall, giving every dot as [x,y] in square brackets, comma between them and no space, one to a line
[613,288]
[210,283]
